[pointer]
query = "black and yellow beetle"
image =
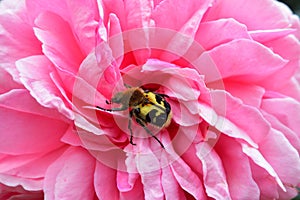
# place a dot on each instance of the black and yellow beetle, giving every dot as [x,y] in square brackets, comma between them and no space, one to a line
[145,107]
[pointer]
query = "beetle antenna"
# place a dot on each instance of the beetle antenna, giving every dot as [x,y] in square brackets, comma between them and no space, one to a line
[94,108]
[127,86]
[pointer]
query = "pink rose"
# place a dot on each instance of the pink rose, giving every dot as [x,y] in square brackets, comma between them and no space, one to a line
[229,68]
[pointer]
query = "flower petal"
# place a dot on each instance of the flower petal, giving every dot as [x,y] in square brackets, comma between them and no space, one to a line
[38,81]
[81,16]
[210,36]
[138,13]
[172,20]
[21,138]
[59,43]
[148,167]
[266,183]
[129,185]
[259,160]
[116,38]
[84,20]
[31,166]
[6,82]
[268,15]
[18,193]
[73,171]
[214,177]
[286,110]
[26,183]
[11,100]
[237,168]
[171,188]
[152,185]
[13,15]
[230,116]
[292,56]
[223,62]
[107,175]
[275,149]
[115,7]
[263,36]
[187,179]
[292,136]
[250,94]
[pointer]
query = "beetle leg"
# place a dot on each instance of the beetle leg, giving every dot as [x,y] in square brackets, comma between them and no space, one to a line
[140,122]
[113,109]
[129,127]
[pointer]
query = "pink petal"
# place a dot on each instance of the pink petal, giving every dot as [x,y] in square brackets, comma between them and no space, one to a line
[291,54]
[290,194]
[250,94]
[291,88]
[152,185]
[292,17]
[83,20]
[26,183]
[125,181]
[223,62]
[37,80]
[214,178]
[187,179]
[105,182]
[266,183]
[182,116]
[292,136]
[148,166]
[234,119]
[190,157]
[36,7]
[15,30]
[82,17]
[181,27]
[138,13]
[172,20]
[259,160]
[188,81]
[183,84]
[73,171]
[6,82]
[129,185]
[268,15]
[87,80]
[29,166]
[23,138]
[115,7]
[210,36]
[237,168]
[185,35]
[263,36]
[171,188]
[71,137]
[282,156]
[116,42]
[286,110]
[59,43]
[18,193]
[107,74]
[11,100]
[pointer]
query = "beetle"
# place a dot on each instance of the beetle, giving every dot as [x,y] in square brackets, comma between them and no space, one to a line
[145,107]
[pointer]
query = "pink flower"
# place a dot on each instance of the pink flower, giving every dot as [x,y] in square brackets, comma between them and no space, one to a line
[230,69]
